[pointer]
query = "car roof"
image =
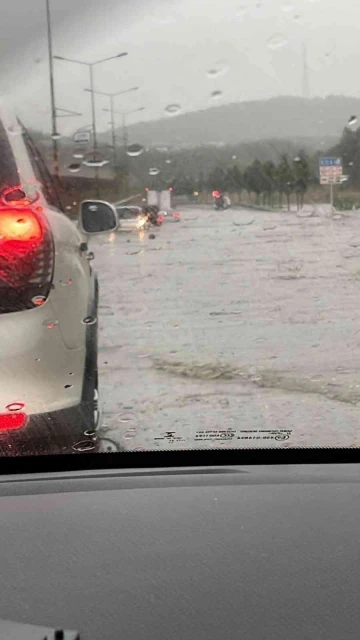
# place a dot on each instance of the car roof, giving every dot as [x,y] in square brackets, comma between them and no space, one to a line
[15,165]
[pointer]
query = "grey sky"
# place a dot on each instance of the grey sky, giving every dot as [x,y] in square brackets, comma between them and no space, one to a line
[171,47]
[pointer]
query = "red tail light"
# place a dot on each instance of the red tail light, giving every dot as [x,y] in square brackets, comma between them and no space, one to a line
[160,219]
[26,258]
[176,215]
[12,421]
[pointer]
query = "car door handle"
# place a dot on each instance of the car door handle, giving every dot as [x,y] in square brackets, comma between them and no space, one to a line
[83,246]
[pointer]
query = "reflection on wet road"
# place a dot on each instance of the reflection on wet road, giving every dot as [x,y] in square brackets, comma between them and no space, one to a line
[238,328]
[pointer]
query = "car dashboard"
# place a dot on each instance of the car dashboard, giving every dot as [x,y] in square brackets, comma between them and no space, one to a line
[257,552]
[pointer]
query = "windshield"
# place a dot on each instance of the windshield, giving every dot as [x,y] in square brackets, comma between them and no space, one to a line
[179,226]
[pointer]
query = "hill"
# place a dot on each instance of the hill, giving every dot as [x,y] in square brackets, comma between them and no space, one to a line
[276,118]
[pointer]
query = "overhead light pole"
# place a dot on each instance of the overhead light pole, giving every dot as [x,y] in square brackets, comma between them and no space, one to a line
[66,113]
[112,97]
[124,135]
[54,133]
[90,66]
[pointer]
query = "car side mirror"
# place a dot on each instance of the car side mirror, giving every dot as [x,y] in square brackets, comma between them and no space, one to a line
[97,216]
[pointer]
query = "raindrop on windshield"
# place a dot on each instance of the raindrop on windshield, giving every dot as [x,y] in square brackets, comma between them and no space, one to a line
[172,109]
[38,301]
[352,120]
[216,94]
[168,161]
[154,171]
[218,69]
[56,136]
[15,130]
[74,167]
[95,163]
[134,150]
[50,324]
[276,42]
[89,320]
[78,155]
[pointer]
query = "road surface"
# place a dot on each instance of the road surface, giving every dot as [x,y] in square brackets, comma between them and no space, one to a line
[235,329]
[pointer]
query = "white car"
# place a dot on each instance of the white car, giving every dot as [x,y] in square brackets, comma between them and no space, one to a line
[130,218]
[48,307]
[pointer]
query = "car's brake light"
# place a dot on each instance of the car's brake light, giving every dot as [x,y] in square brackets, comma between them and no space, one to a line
[26,258]
[176,214]
[160,218]
[12,421]
[21,226]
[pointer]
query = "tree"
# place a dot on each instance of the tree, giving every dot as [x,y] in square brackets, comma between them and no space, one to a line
[234,180]
[270,180]
[285,179]
[254,180]
[301,170]
[217,180]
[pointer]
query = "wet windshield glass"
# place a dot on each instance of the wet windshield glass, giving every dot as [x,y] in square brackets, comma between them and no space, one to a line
[179,225]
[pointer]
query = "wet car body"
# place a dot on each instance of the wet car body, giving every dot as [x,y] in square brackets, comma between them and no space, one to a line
[48,309]
[129,217]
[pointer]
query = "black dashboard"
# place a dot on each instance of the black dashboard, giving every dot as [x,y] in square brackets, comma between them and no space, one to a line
[218,553]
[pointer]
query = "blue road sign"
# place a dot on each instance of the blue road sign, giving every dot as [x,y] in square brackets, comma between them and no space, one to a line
[330,161]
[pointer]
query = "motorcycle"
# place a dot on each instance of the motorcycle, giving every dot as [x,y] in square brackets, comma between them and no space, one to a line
[220,202]
[151,214]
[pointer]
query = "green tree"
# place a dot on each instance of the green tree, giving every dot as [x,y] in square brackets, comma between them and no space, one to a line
[269,180]
[254,180]
[301,170]
[234,180]
[285,180]
[217,179]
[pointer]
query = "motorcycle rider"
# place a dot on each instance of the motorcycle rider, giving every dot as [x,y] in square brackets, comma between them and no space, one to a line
[151,212]
[219,200]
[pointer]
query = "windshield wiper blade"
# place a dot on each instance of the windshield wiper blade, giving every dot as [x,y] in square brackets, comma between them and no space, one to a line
[16,631]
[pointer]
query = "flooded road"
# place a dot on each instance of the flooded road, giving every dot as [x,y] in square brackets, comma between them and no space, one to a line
[238,328]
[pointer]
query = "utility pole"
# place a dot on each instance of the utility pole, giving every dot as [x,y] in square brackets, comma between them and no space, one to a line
[90,66]
[54,133]
[305,74]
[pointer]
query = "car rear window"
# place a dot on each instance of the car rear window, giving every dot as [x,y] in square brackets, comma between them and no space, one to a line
[9,176]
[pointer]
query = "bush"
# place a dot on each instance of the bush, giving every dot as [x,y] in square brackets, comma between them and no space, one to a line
[346,203]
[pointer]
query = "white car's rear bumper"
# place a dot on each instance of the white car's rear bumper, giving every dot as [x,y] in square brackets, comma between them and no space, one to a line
[37,368]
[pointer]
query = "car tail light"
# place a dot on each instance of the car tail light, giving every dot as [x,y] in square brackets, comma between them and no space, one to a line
[12,421]
[160,219]
[176,215]
[26,258]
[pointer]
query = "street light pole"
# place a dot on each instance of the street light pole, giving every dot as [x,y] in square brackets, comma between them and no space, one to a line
[52,93]
[113,135]
[124,132]
[112,97]
[93,111]
[91,66]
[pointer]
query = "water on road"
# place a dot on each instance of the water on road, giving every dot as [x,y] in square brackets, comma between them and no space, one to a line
[235,329]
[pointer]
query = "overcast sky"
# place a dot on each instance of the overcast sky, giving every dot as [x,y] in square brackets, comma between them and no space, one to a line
[257,44]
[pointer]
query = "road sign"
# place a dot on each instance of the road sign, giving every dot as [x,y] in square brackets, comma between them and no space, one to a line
[330,161]
[82,137]
[330,170]
[332,179]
